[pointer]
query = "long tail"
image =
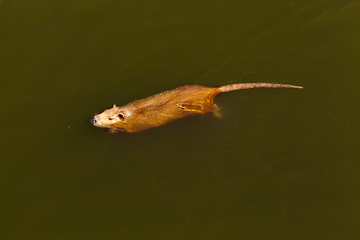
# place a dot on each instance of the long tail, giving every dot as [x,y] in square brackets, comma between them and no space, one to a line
[239,86]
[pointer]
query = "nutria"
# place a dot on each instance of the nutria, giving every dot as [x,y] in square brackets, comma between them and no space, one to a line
[164,107]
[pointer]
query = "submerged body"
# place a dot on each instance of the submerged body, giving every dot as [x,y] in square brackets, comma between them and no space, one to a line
[164,107]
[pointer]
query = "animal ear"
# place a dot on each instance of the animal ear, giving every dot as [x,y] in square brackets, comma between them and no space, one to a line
[114,105]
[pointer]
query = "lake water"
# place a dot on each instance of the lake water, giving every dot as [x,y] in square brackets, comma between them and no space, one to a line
[279,164]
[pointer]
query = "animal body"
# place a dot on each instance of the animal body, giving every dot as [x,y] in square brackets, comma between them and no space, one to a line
[164,107]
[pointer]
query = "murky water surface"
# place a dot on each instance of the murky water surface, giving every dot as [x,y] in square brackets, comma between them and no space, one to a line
[280,164]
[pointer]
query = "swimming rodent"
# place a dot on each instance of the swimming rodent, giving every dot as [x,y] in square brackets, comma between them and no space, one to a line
[164,107]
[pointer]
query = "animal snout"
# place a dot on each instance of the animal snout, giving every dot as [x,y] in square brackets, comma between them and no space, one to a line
[94,121]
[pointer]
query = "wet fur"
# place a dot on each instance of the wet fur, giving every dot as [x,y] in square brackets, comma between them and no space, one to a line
[164,107]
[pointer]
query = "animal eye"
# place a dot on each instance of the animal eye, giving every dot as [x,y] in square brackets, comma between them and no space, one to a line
[121,117]
[110,119]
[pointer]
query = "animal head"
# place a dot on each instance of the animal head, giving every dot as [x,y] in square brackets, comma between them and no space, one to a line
[112,118]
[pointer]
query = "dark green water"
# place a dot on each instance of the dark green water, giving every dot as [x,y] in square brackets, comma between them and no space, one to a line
[280,164]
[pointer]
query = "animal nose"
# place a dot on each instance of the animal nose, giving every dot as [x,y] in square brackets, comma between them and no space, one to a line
[94,120]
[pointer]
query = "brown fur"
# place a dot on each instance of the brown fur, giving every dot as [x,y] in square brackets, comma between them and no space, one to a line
[164,107]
